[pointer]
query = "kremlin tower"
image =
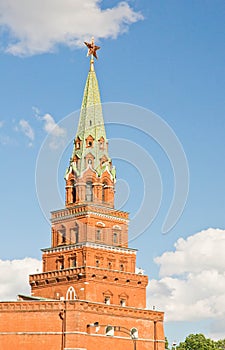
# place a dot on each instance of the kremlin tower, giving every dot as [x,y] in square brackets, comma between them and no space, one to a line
[89,295]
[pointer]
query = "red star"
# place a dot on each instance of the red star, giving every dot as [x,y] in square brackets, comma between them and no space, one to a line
[92,48]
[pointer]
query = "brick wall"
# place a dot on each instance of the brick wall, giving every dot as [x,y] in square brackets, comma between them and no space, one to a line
[37,325]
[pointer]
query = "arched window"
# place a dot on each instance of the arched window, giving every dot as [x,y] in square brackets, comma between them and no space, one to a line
[62,235]
[71,294]
[104,192]
[101,142]
[122,302]
[74,234]
[115,238]
[98,234]
[44,265]
[89,141]
[60,263]
[78,143]
[121,267]
[89,191]
[123,299]
[108,296]
[107,300]
[73,261]
[74,193]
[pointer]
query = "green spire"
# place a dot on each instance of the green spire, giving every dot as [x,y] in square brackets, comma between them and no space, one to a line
[91,118]
[90,141]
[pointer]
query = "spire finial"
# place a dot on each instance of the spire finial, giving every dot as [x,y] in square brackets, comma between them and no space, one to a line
[92,48]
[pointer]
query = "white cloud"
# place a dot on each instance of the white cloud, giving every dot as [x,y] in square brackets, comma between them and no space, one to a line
[35,27]
[36,112]
[27,130]
[1,123]
[51,127]
[14,277]
[56,133]
[192,282]
[204,249]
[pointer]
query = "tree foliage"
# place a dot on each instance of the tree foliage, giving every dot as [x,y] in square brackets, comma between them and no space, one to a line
[200,342]
[166,343]
[196,342]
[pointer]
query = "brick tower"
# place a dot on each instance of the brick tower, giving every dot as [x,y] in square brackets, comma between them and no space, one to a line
[89,279]
[89,257]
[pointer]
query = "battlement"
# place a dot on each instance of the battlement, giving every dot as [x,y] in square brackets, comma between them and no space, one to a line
[80,305]
[85,209]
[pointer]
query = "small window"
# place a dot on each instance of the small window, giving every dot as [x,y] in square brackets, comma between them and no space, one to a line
[90,122]
[89,191]
[115,238]
[74,234]
[71,294]
[97,263]
[62,234]
[122,302]
[44,265]
[121,267]
[110,265]
[74,193]
[89,141]
[107,300]
[104,192]
[73,262]
[101,143]
[98,235]
[60,263]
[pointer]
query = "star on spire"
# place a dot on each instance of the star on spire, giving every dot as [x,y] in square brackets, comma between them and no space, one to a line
[92,48]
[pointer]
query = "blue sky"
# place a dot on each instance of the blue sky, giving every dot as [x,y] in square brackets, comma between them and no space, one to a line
[164,56]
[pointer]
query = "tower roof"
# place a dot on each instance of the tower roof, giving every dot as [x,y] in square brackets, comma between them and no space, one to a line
[90,143]
[91,118]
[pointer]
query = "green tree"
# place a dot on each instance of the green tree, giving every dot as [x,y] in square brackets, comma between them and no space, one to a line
[197,342]
[181,346]
[220,344]
[166,344]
